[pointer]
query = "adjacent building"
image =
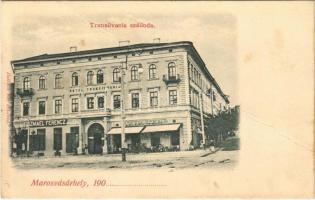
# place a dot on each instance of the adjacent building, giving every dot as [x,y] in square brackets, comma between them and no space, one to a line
[71,102]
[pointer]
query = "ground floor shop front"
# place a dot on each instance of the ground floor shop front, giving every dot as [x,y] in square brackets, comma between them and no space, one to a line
[99,136]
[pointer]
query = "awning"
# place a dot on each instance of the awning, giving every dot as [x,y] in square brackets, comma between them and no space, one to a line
[128,130]
[161,128]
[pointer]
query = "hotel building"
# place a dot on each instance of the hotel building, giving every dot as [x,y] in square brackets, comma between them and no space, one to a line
[71,102]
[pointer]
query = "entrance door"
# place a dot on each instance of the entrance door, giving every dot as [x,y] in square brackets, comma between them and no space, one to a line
[95,134]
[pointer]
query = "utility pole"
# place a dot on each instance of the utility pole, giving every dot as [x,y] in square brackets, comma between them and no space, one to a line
[122,106]
[201,118]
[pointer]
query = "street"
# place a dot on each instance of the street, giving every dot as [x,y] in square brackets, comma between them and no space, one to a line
[171,160]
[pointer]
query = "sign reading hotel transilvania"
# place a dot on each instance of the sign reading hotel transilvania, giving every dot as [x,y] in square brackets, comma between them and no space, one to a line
[42,123]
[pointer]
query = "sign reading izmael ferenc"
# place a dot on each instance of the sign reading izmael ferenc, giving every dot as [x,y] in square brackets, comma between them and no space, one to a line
[72,102]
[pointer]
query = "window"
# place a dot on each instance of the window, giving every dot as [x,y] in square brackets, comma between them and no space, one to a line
[75,105]
[89,78]
[41,107]
[100,76]
[152,72]
[37,142]
[57,139]
[214,97]
[135,100]
[26,108]
[116,75]
[134,73]
[42,82]
[173,97]
[75,79]
[171,70]
[58,106]
[116,99]
[154,99]
[58,81]
[90,102]
[100,102]
[192,72]
[26,83]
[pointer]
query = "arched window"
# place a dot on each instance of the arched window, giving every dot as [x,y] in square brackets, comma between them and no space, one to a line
[26,83]
[75,79]
[171,70]
[58,81]
[134,73]
[89,77]
[100,76]
[42,82]
[116,75]
[152,71]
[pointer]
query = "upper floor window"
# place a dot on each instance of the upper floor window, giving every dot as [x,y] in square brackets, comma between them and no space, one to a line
[42,82]
[90,102]
[58,106]
[152,71]
[26,108]
[153,98]
[75,79]
[116,75]
[171,70]
[134,73]
[41,107]
[75,105]
[100,76]
[135,100]
[26,83]
[173,97]
[58,81]
[89,78]
[116,103]
[213,96]
[100,102]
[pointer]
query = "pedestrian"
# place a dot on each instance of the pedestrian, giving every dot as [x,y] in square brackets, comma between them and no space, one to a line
[212,149]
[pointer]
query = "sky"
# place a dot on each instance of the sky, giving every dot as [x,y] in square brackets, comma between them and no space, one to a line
[214,35]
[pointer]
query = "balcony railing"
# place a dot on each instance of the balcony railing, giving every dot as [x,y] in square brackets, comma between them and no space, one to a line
[25,92]
[171,79]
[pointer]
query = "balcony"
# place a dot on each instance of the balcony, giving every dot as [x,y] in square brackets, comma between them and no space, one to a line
[25,92]
[171,79]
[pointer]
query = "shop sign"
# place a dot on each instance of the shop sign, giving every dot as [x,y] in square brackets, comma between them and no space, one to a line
[146,122]
[43,123]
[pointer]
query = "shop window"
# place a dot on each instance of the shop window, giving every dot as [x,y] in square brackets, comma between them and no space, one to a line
[155,140]
[58,106]
[100,76]
[116,75]
[90,102]
[89,77]
[75,105]
[58,81]
[42,82]
[38,141]
[26,83]
[72,140]
[100,102]
[75,79]
[152,71]
[26,108]
[171,70]
[57,139]
[153,98]
[41,107]
[116,99]
[174,139]
[173,97]
[135,100]
[134,73]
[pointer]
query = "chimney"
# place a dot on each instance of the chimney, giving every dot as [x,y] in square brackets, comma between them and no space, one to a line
[73,49]
[156,40]
[124,43]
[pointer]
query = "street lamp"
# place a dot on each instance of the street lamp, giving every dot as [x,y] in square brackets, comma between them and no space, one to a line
[122,100]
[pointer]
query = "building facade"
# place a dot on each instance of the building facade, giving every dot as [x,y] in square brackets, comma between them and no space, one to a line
[71,102]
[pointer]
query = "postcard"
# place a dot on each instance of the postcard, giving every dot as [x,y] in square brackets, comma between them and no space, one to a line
[156,99]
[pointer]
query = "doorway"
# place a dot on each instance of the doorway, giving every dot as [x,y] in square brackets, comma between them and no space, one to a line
[95,142]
